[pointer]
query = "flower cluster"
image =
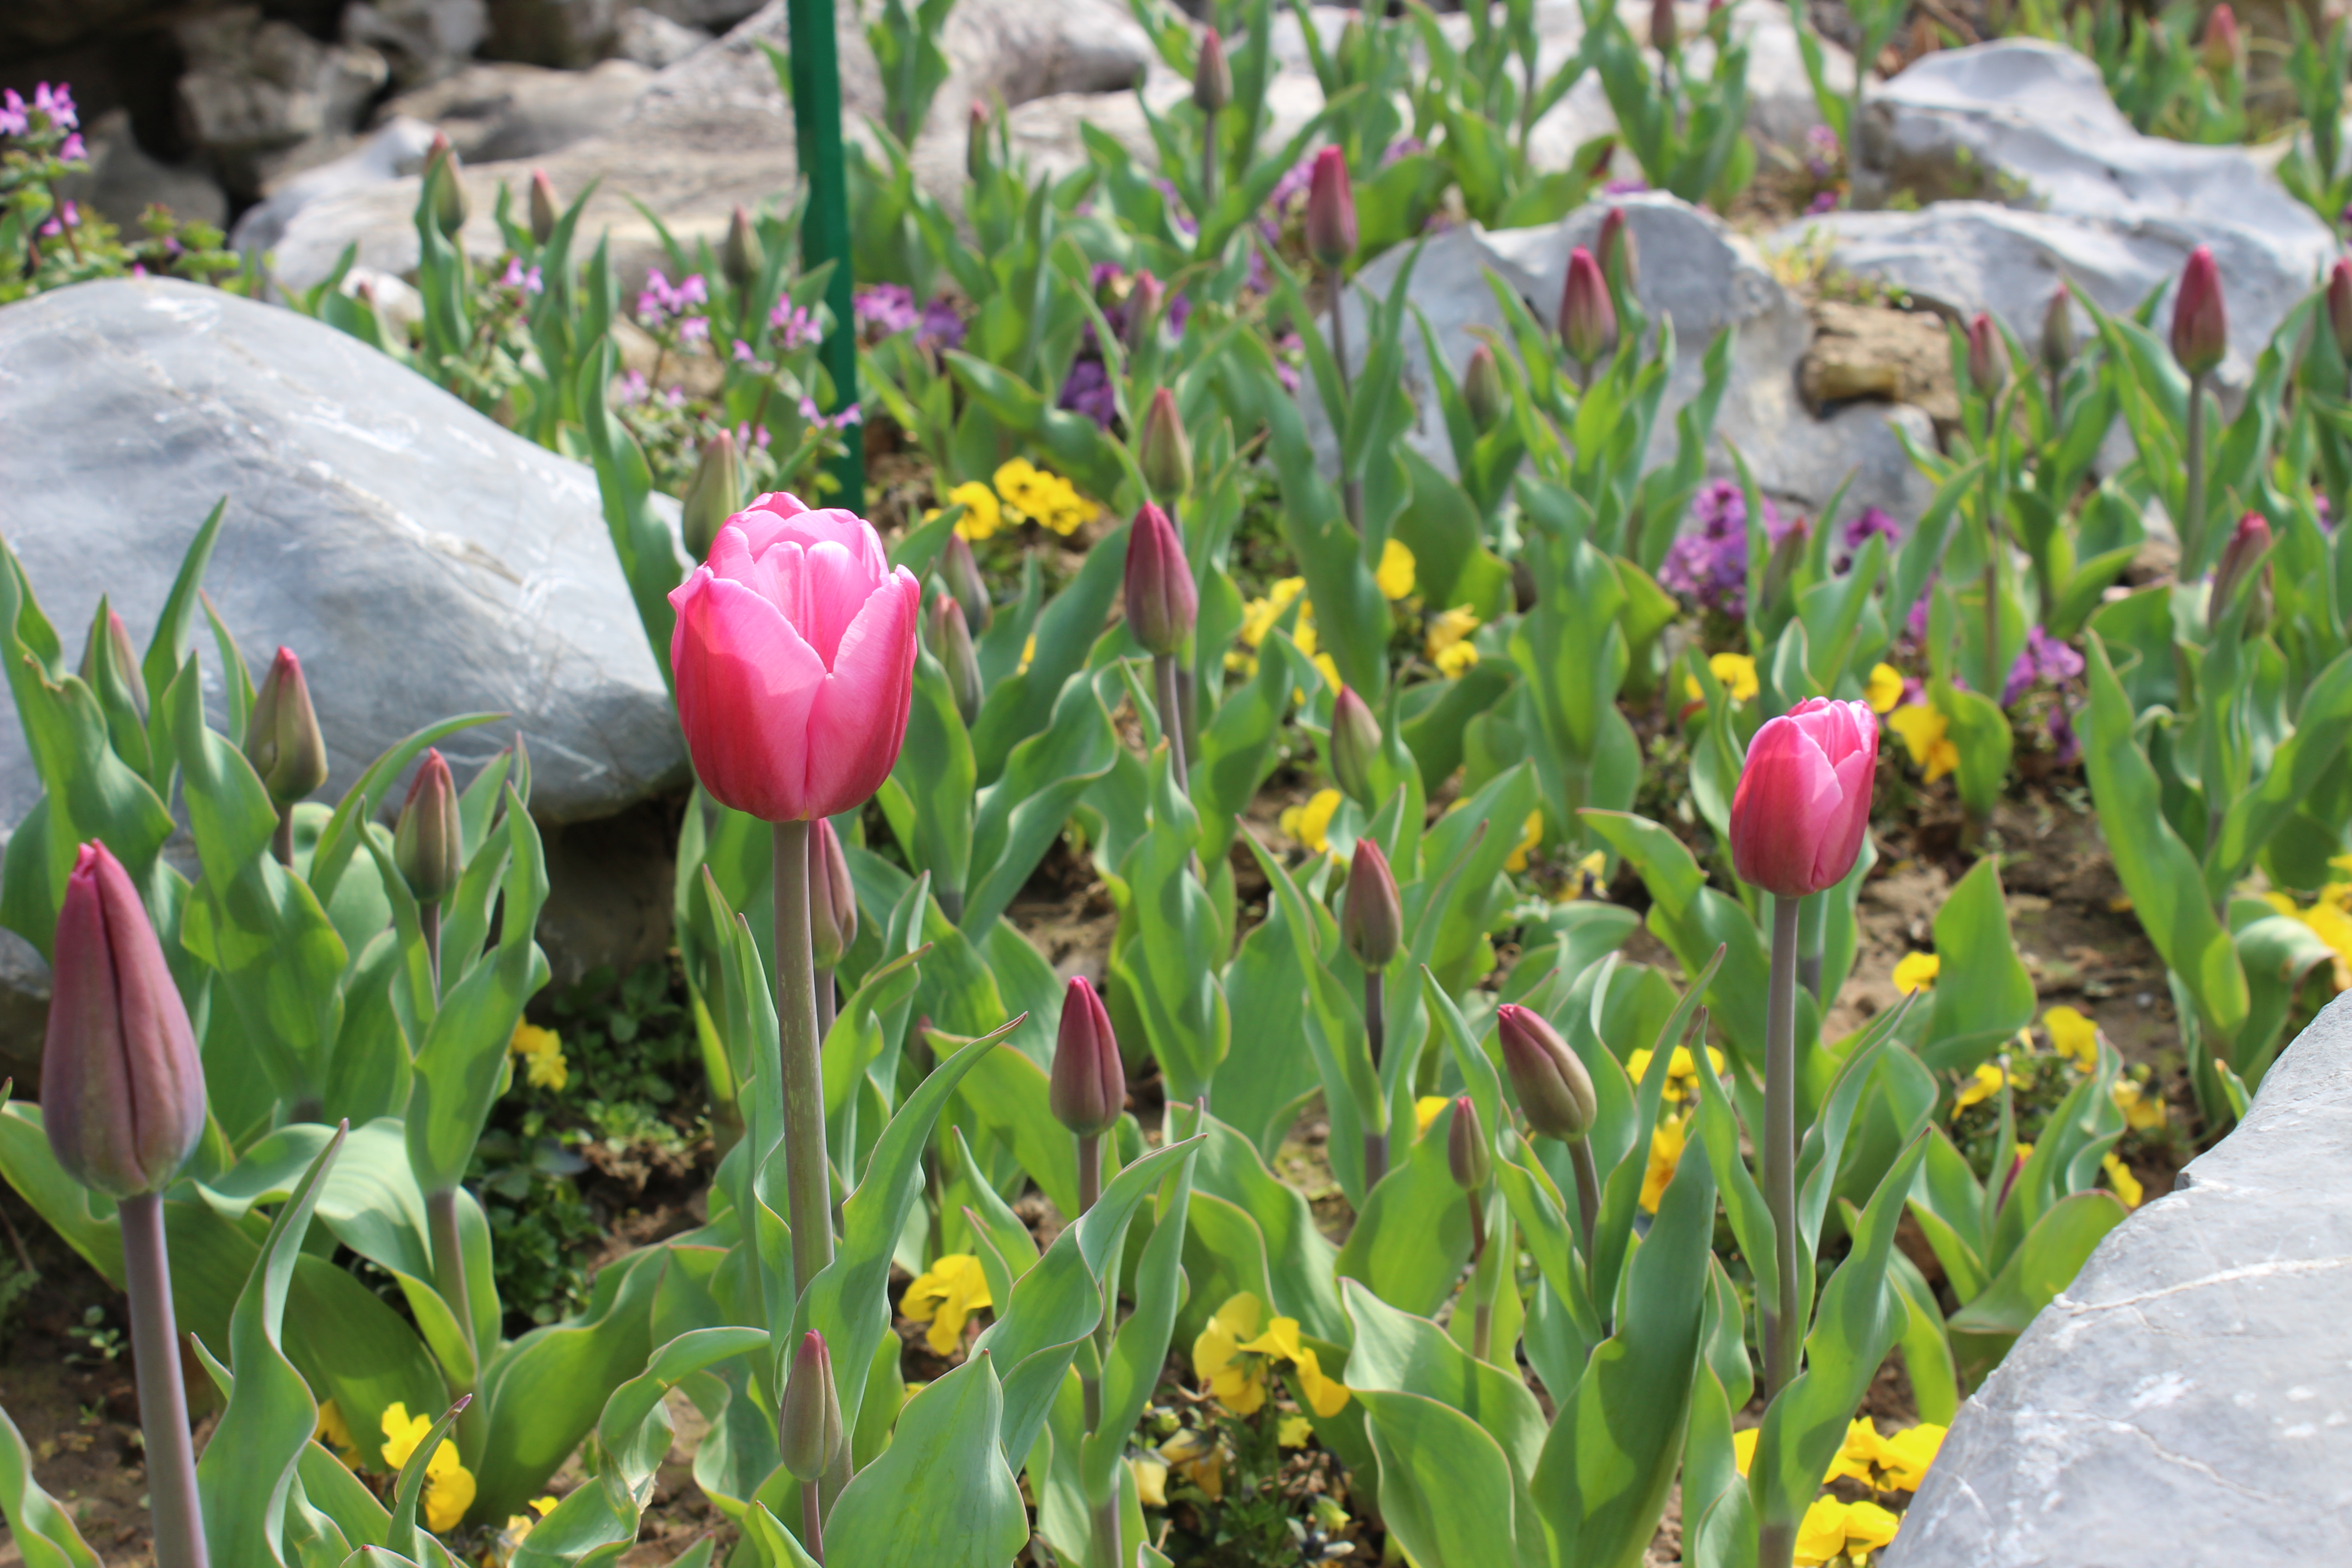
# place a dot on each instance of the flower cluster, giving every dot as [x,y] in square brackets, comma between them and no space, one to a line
[2044,658]
[448,1484]
[660,299]
[1709,568]
[885,309]
[540,1053]
[1023,493]
[1874,523]
[1233,1359]
[1836,1528]
[55,105]
[1447,643]
[2073,1038]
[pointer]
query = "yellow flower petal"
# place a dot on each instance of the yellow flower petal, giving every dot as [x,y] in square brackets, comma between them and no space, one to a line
[1310,824]
[1743,1449]
[1327,1396]
[1447,629]
[1530,835]
[1920,727]
[1028,655]
[1737,671]
[449,1493]
[1329,669]
[1857,1454]
[1665,1156]
[1868,1527]
[1396,573]
[1884,689]
[1426,1110]
[2073,1036]
[2125,1185]
[1917,972]
[1457,660]
[1907,1456]
[1982,1087]
[402,1433]
[1294,1432]
[1280,1340]
[1822,1536]
[1198,1460]
[946,1295]
[1151,1482]
[982,515]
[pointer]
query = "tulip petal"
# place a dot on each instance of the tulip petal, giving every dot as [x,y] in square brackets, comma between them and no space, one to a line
[859,720]
[746,683]
[837,588]
[776,516]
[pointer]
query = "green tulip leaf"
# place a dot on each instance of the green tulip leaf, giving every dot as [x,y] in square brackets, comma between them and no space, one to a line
[940,1494]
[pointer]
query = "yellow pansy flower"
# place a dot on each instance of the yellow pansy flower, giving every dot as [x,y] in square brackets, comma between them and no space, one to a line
[448,1484]
[1151,1482]
[1905,1457]
[1458,659]
[1857,1454]
[1737,671]
[1665,1156]
[2143,1111]
[982,516]
[1028,655]
[518,1524]
[1294,1432]
[1222,1359]
[2125,1185]
[1395,572]
[950,1292]
[335,1433]
[1587,882]
[1927,736]
[1045,499]
[1831,1528]
[1982,1084]
[1259,615]
[1426,1110]
[1917,972]
[1449,629]
[542,1051]
[1310,824]
[1198,1460]
[2073,1036]
[1884,689]
[1327,1396]
[1530,835]
[1681,1070]
[1743,1449]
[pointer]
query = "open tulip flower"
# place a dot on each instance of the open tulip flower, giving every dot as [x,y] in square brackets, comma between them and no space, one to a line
[794,654]
[1804,801]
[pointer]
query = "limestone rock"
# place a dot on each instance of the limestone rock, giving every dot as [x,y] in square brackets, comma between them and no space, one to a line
[396,148]
[500,110]
[258,94]
[655,41]
[123,180]
[563,33]
[1894,356]
[423,38]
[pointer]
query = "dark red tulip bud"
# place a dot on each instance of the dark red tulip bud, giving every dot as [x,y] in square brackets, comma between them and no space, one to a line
[833,898]
[1088,1087]
[281,736]
[444,185]
[975,142]
[1554,1090]
[1162,603]
[1467,1157]
[2201,322]
[2058,331]
[2224,50]
[1213,76]
[108,660]
[951,646]
[1664,33]
[1371,919]
[808,1428]
[961,575]
[713,495]
[1330,210]
[1588,320]
[1165,453]
[2246,560]
[426,844]
[1143,302]
[741,259]
[1987,365]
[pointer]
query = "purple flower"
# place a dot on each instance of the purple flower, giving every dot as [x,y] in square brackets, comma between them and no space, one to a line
[67,216]
[2044,658]
[798,325]
[13,122]
[1183,220]
[1293,184]
[1402,147]
[1822,141]
[939,326]
[1625,187]
[1287,348]
[73,151]
[1180,310]
[1088,392]
[516,277]
[1825,201]
[631,388]
[1916,623]
[675,397]
[1872,523]
[748,436]
[743,354]
[655,301]
[56,103]
[695,329]
[888,308]
[1710,567]
[2061,731]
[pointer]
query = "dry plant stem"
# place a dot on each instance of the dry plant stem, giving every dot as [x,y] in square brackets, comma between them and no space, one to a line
[178,1518]
[809,1186]
[2191,528]
[429,920]
[281,843]
[1785,1331]
[1376,1034]
[1587,1213]
[1105,1519]
[812,1521]
[1352,489]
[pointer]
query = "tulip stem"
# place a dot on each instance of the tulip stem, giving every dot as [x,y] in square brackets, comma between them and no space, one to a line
[1785,1329]
[807,1183]
[812,1521]
[177,1514]
[1208,162]
[281,843]
[2191,527]
[1376,1033]
[1172,717]
[429,920]
[1351,488]
[1106,1520]
[449,1280]
[1813,934]
[1482,1283]
[1587,1212]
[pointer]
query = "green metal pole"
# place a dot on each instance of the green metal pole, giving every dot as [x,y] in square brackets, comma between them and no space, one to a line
[824,227]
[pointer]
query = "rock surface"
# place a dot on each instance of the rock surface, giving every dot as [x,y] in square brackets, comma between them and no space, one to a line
[500,110]
[396,149]
[263,96]
[2188,1397]
[423,561]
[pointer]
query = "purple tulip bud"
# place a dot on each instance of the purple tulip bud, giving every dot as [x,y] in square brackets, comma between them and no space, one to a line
[122,1092]
[1087,1089]
[1467,1157]
[1588,320]
[1166,457]
[1555,1091]
[1162,603]
[2201,322]
[1330,210]
[951,646]
[833,898]
[712,496]
[1371,921]
[961,575]
[2058,331]
[742,258]
[1620,256]
[2245,558]
[2339,305]
[1213,77]
[1662,31]
[281,736]
[544,208]
[1355,745]
[808,1428]
[1987,365]
[1482,389]
[425,843]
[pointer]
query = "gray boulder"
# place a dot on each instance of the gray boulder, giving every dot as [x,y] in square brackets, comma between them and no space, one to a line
[395,148]
[500,110]
[423,38]
[123,180]
[2188,1399]
[264,97]
[653,41]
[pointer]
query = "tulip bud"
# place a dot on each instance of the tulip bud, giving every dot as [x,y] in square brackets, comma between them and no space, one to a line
[1482,389]
[1663,33]
[712,496]
[1087,1089]
[1213,77]
[1987,365]
[1780,566]
[447,190]
[951,646]
[1349,53]
[975,142]
[742,258]
[1620,256]
[2245,557]
[1143,302]
[1371,921]
[1166,459]
[426,843]
[2201,322]
[1803,800]
[833,898]
[122,1091]
[1604,157]
[808,1428]
[2223,50]
[544,208]
[2058,331]
[1162,603]
[281,734]
[2339,305]
[109,660]
[1330,210]
[1588,320]
[1355,745]
[1468,1158]
[961,572]
[1554,1090]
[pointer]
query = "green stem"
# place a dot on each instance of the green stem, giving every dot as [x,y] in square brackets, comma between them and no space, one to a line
[1208,165]
[1587,1212]
[2191,527]
[1352,489]
[812,1521]
[827,1004]
[1375,1032]
[1106,1513]
[449,1280]
[281,843]
[1482,1294]
[1776,1545]
[808,1184]
[1172,717]
[176,1513]
[1785,1329]
[428,919]
[1814,936]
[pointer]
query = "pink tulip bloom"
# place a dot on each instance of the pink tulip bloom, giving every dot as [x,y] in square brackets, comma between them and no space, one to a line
[794,657]
[1804,801]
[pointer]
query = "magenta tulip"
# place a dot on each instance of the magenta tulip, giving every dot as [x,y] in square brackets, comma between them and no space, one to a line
[794,657]
[1087,1088]
[1555,1091]
[1161,601]
[1213,76]
[1804,801]
[122,1092]
[1330,210]
[2201,322]
[1588,320]
[1371,919]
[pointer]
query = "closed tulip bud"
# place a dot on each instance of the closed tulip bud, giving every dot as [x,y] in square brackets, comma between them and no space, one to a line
[1355,745]
[1987,365]
[2201,322]
[122,1092]
[808,1428]
[1166,459]
[1162,603]
[1803,800]
[1620,256]
[2223,49]
[975,142]
[1330,210]
[1780,566]
[1554,1090]
[1213,76]
[712,495]
[2058,331]
[2340,305]
[1588,320]
[1468,1158]
[1371,919]
[2246,560]
[109,660]
[961,575]
[833,898]
[1352,43]
[425,843]
[1143,303]
[281,734]
[951,646]
[1087,1089]
[444,183]
[544,208]
[741,259]
[1662,31]
[1482,389]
